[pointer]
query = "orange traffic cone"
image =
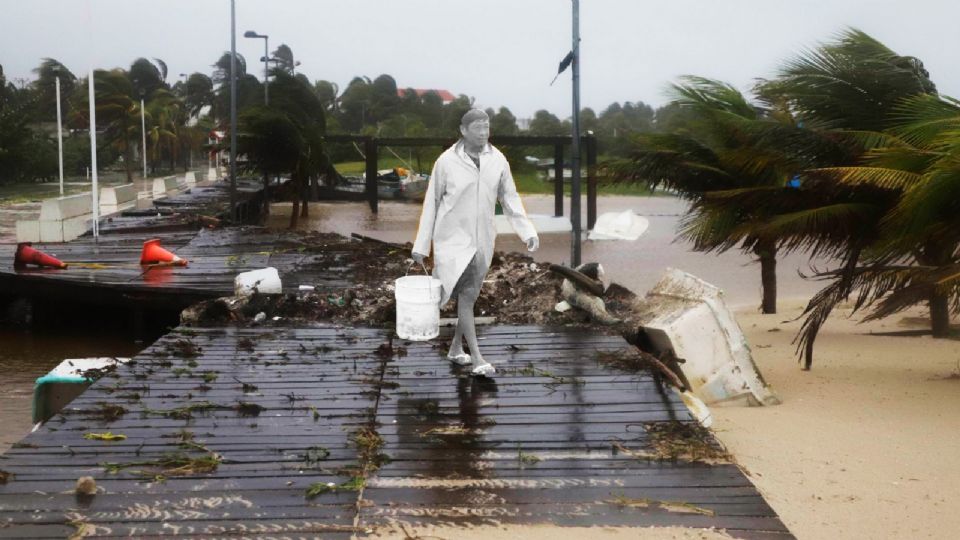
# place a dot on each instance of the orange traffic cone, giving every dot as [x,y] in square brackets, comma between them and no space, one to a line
[154,254]
[28,255]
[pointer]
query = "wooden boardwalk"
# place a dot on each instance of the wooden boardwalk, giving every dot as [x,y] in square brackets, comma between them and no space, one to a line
[227,429]
[108,270]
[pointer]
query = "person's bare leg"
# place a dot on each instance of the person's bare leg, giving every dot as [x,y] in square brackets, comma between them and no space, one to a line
[456,353]
[468,324]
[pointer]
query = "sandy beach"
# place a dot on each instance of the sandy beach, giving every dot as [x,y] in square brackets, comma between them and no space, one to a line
[865,445]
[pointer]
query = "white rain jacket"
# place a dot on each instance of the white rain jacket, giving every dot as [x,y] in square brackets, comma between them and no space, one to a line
[458,211]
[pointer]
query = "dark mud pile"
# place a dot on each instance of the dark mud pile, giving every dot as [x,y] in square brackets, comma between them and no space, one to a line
[517,290]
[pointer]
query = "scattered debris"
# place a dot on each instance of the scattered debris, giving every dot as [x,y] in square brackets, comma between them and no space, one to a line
[318,488]
[527,459]
[107,412]
[107,436]
[5,477]
[669,506]
[86,485]
[315,454]
[684,441]
[183,348]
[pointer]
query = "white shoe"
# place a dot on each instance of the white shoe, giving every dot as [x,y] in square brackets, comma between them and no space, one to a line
[462,359]
[484,370]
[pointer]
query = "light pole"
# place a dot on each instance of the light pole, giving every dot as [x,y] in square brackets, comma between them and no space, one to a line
[186,98]
[233,110]
[575,150]
[59,129]
[266,70]
[143,131]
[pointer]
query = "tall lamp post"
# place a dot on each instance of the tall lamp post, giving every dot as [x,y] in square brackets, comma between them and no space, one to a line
[266,70]
[143,131]
[575,157]
[186,97]
[59,129]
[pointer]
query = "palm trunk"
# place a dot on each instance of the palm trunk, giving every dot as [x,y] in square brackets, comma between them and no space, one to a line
[939,314]
[937,254]
[767,251]
[127,161]
[295,211]
[305,197]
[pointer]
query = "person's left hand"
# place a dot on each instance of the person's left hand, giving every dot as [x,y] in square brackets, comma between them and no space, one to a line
[533,243]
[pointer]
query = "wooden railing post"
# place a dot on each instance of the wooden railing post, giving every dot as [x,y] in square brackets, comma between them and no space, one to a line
[558,179]
[370,149]
[591,180]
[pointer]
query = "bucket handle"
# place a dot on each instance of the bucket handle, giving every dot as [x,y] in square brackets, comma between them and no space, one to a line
[412,262]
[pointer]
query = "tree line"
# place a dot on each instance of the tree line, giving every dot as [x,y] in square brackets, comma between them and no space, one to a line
[180,115]
[849,154]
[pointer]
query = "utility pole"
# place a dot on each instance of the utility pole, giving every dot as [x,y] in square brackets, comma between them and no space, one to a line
[575,157]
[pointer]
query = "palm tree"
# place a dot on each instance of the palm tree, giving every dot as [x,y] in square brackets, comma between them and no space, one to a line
[117,110]
[287,137]
[915,257]
[727,160]
[849,91]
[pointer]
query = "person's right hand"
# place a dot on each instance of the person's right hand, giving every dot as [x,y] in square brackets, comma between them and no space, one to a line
[418,257]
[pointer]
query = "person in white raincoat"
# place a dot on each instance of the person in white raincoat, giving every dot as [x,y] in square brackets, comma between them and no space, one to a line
[458,208]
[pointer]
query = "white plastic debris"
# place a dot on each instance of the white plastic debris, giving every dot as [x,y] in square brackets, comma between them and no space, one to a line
[263,281]
[618,226]
[260,317]
[562,306]
[306,287]
[687,316]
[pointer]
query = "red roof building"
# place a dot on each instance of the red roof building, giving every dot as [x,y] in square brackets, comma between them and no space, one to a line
[445,95]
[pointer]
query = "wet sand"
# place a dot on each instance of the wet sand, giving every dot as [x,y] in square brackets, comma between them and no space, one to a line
[866,444]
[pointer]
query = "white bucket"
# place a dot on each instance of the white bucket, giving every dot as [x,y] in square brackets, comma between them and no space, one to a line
[418,307]
[263,281]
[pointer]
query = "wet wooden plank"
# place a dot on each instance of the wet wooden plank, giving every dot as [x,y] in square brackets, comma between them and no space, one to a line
[319,386]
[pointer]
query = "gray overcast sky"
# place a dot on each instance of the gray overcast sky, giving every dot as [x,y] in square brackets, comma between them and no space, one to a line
[502,52]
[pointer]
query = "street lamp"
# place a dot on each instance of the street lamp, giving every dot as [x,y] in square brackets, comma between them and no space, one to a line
[143,130]
[266,71]
[186,97]
[56,70]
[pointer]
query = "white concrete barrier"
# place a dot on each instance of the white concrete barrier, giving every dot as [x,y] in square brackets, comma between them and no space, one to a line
[164,186]
[70,206]
[190,179]
[61,219]
[117,198]
[28,230]
[211,174]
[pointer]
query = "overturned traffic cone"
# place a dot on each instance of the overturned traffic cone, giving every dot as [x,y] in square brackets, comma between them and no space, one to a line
[154,254]
[28,255]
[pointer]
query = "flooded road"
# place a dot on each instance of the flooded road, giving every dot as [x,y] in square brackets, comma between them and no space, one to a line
[636,265]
